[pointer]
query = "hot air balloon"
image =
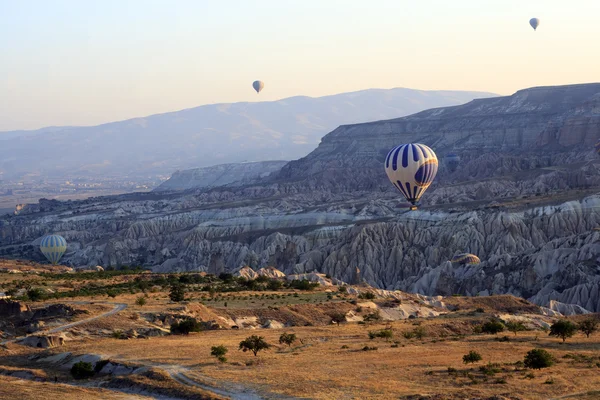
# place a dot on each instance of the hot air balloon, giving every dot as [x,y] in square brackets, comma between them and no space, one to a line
[411,168]
[53,247]
[534,22]
[258,86]
[452,161]
[465,259]
[597,147]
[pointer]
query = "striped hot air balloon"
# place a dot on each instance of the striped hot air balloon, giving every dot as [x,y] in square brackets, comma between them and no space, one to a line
[53,247]
[466,258]
[411,168]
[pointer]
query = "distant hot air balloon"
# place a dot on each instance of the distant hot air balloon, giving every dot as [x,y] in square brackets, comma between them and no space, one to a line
[452,161]
[411,168]
[597,147]
[534,22]
[465,258]
[258,86]
[53,247]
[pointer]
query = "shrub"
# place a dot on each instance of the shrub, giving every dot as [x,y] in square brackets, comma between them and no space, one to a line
[343,289]
[99,365]
[219,352]
[563,329]
[386,334]
[274,285]
[492,327]
[140,301]
[480,310]
[337,317]
[366,295]
[287,338]
[372,317]
[186,326]
[303,284]
[177,293]
[538,359]
[420,332]
[471,357]
[345,347]
[549,381]
[35,294]
[588,326]
[408,335]
[82,370]
[515,327]
[367,348]
[254,344]
[117,334]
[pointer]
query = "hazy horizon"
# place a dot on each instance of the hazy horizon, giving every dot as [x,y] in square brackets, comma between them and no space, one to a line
[79,64]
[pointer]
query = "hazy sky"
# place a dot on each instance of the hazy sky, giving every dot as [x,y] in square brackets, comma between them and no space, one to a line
[75,62]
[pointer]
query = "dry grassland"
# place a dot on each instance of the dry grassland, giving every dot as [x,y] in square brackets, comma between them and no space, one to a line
[320,368]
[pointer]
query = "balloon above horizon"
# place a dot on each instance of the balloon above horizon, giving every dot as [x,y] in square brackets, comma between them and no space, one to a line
[534,22]
[411,168]
[53,247]
[258,86]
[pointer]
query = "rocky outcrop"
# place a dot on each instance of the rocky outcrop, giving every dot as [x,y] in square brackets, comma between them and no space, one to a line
[13,309]
[44,342]
[220,175]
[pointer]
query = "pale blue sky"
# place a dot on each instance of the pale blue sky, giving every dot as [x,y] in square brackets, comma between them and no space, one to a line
[83,62]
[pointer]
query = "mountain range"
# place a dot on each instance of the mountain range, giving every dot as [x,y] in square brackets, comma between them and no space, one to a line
[525,199]
[207,135]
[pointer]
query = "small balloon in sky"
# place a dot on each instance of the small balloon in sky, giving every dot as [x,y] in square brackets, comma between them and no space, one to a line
[534,22]
[258,86]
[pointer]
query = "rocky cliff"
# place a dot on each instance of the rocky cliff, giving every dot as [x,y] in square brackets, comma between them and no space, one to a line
[220,175]
[525,200]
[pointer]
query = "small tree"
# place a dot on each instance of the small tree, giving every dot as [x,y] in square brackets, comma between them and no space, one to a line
[186,326]
[471,357]
[420,332]
[588,326]
[140,301]
[337,317]
[515,327]
[254,344]
[35,294]
[538,359]
[82,370]
[287,338]
[219,352]
[177,293]
[563,329]
[492,327]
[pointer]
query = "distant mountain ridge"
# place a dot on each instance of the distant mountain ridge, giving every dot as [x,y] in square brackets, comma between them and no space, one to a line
[219,175]
[207,135]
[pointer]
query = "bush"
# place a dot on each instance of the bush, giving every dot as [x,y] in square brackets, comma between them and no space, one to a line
[140,301]
[99,365]
[186,326]
[219,352]
[82,370]
[538,359]
[492,327]
[515,327]
[366,295]
[343,289]
[372,317]
[367,348]
[177,293]
[254,344]
[337,317]
[408,335]
[303,284]
[117,334]
[35,294]
[588,326]
[386,334]
[287,338]
[472,357]
[563,329]
[420,332]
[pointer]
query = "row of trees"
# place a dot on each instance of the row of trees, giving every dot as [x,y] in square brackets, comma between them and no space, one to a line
[562,328]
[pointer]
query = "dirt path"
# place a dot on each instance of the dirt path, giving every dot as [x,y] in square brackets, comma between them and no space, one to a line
[117,308]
